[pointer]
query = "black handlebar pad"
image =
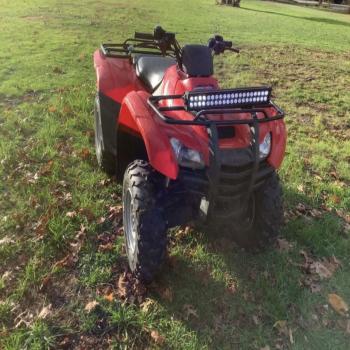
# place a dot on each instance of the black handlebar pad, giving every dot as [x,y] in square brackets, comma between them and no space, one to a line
[144,36]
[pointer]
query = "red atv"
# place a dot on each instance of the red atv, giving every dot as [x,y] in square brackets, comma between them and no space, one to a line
[185,148]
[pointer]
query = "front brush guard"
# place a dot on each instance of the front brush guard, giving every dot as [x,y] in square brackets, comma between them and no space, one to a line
[200,118]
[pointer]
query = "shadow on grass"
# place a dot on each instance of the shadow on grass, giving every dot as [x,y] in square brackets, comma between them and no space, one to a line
[313,19]
[229,296]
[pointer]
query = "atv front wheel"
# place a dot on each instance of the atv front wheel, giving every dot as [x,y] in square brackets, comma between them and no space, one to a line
[264,216]
[144,226]
[105,159]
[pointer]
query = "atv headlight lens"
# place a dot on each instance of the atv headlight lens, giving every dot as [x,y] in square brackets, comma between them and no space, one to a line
[185,156]
[265,146]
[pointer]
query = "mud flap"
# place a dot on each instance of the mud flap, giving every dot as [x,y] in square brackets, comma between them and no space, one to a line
[109,112]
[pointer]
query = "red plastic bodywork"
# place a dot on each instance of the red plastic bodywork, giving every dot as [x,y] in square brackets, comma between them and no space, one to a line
[116,78]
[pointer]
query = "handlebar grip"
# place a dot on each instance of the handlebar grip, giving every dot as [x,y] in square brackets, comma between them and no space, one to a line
[144,36]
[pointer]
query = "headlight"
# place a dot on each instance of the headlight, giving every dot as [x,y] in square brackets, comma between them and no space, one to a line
[185,156]
[265,146]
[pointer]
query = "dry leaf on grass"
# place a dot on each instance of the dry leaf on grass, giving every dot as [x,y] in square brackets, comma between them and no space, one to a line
[189,310]
[68,261]
[90,306]
[146,305]
[7,275]
[46,281]
[338,304]
[6,240]
[281,326]
[106,247]
[109,297]
[85,153]
[71,214]
[45,312]
[283,245]
[158,339]
[166,294]
[266,347]
[46,168]
[320,269]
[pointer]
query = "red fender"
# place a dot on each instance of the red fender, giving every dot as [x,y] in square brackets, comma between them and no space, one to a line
[136,115]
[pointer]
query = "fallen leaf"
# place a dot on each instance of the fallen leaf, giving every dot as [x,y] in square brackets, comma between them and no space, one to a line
[87,213]
[321,270]
[90,306]
[301,188]
[45,283]
[85,153]
[255,319]
[46,169]
[301,208]
[68,261]
[166,294]
[338,304]
[281,326]
[106,247]
[101,220]
[115,212]
[158,339]
[67,109]
[146,305]
[189,310]
[266,347]
[335,199]
[45,312]
[71,214]
[315,213]
[315,287]
[109,297]
[231,287]
[122,282]
[291,339]
[6,240]
[283,245]
[6,276]
[52,109]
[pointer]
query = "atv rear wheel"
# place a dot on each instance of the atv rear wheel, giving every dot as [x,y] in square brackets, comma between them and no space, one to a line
[144,225]
[105,159]
[264,216]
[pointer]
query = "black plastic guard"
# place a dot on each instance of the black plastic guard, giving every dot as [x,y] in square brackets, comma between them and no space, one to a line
[109,110]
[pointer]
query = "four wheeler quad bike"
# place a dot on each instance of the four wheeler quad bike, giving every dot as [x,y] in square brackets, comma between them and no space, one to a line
[185,148]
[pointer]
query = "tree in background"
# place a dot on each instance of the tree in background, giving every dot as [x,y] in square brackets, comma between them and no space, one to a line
[235,3]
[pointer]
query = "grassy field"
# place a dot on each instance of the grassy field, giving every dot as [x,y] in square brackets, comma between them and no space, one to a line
[62,261]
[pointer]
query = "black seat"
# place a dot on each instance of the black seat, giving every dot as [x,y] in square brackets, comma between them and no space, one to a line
[151,69]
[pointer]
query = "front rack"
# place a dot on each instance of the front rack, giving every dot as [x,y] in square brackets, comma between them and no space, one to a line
[200,117]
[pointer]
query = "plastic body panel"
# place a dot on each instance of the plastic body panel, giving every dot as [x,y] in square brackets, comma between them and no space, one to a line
[116,78]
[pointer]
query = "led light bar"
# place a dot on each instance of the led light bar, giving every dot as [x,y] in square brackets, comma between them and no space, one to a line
[222,99]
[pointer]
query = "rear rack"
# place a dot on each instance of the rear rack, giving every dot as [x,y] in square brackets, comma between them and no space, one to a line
[125,49]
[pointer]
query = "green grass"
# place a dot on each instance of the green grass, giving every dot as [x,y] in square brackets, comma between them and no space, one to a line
[48,169]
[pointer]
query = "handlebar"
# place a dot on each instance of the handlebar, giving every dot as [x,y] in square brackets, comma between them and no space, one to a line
[218,45]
